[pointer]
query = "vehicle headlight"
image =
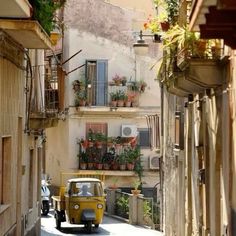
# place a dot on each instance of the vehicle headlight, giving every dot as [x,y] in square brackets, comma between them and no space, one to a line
[76,207]
[99,206]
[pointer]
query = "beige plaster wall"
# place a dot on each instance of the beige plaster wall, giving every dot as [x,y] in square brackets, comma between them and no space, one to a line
[102,31]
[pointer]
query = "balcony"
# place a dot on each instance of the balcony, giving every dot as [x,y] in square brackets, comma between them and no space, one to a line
[109,99]
[28,33]
[215,19]
[196,70]
[39,121]
[46,116]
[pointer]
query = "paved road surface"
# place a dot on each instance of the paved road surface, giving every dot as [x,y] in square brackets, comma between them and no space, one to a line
[110,226]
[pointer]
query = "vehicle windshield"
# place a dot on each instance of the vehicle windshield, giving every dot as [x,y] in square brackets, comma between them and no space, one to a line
[85,189]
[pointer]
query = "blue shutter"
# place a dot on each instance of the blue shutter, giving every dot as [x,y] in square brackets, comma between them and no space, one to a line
[101,91]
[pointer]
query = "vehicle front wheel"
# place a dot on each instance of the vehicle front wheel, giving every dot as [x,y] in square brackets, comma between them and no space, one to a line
[58,222]
[89,227]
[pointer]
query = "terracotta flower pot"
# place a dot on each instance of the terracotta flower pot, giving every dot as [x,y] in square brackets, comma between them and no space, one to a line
[113,103]
[83,166]
[115,166]
[106,166]
[99,166]
[130,166]
[90,165]
[165,26]
[128,103]
[135,192]
[122,167]
[120,103]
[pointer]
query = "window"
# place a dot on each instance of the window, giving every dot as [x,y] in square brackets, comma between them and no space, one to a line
[5,170]
[144,138]
[179,130]
[96,78]
[31,179]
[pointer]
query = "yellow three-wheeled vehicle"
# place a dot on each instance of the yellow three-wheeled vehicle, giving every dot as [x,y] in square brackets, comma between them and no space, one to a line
[81,202]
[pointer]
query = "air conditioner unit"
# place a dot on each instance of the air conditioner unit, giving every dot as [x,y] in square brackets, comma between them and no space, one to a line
[128,131]
[154,162]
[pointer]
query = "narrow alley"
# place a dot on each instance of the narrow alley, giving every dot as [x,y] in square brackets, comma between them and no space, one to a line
[110,226]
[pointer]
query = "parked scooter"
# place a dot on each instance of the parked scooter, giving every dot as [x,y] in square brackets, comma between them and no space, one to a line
[45,197]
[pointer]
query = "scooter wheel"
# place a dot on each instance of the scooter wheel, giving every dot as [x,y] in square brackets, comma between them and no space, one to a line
[89,227]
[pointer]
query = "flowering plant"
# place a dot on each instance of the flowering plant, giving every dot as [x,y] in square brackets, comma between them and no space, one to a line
[119,79]
[158,23]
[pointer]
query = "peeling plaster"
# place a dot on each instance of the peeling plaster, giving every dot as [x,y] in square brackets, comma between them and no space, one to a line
[102,19]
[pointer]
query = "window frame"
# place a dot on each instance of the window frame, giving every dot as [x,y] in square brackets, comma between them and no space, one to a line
[149,140]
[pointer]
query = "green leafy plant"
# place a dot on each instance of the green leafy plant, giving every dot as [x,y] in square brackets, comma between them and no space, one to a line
[44,12]
[138,169]
[122,206]
[133,86]
[122,158]
[137,184]
[100,137]
[80,96]
[91,135]
[171,7]
[113,96]
[83,157]
[120,95]
[147,210]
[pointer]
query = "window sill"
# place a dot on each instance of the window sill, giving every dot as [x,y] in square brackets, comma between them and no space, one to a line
[4,208]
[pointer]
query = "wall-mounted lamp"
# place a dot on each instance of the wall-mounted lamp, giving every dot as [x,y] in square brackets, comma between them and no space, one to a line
[140,47]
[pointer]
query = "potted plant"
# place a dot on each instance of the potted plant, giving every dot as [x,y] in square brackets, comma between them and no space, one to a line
[83,160]
[108,159]
[114,183]
[99,139]
[117,80]
[136,191]
[131,157]
[80,98]
[76,85]
[133,86]
[120,98]
[115,163]
[113,96]
[123,80]
[127,101]
[91,138]
[122,161]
